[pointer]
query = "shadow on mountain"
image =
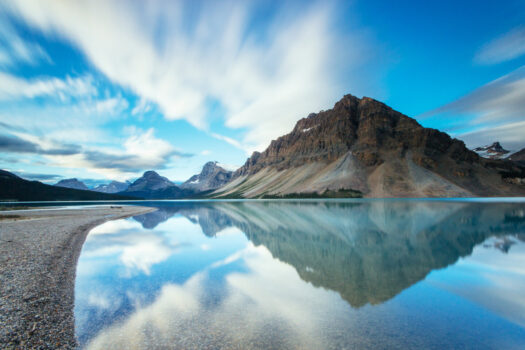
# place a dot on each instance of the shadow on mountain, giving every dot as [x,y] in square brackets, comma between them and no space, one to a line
[367,251]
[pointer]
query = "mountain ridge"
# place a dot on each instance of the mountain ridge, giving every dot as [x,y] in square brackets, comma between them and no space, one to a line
[14,188]
[364,145]
[153,186]
[72,183]
[112,187]
[212,176]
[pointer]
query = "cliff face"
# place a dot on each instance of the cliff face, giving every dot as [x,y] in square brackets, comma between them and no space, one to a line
[364,145]
[211,177]
[518,157]
[72,183]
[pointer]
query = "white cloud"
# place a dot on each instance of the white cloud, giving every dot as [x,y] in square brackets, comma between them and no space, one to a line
[12,87]
[511,135]
[509,46]
[141,150]
[494,111]
[137,250]
[296,311]
[265,79]
[142,107]
[227,139]
[14,49]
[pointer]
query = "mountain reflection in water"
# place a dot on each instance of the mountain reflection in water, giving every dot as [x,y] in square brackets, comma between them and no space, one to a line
[366,251]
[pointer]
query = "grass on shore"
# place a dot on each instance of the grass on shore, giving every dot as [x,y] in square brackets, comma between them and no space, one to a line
[6,208]
[9,217]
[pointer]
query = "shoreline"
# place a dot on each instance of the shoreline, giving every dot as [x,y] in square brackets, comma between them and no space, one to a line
[39,250]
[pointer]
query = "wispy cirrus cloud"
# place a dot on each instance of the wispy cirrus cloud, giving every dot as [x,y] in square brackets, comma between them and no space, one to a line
[15,50]
[509,46]
[496,111]
[179,56]
[12,87]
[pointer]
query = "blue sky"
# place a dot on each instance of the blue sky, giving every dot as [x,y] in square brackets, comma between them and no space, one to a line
[108,89]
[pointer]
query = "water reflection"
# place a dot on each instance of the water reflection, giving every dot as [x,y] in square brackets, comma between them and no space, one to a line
[304,275]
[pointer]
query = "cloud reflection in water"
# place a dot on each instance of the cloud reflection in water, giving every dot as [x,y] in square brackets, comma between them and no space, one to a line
[303,275]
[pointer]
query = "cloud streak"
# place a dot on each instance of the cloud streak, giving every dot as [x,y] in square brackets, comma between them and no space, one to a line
[180,57]
[498,109]
[12,87]
[504,48]
[15,50]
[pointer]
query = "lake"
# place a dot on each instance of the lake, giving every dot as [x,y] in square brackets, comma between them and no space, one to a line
[333,274]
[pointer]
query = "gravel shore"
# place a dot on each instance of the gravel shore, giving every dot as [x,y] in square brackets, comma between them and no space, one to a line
[39,250]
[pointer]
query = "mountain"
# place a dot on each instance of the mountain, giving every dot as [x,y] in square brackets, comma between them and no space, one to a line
[494,151]
[212,176]
[14,188]
[518,157]
[72,183]
[363,147]
[153,186]
[150,181]
[112,187]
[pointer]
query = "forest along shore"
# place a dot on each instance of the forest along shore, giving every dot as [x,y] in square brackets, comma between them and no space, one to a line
[39,250]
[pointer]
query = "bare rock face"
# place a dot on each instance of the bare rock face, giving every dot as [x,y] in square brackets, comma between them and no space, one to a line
[364,145]
[72,183]
[518,157]
[494,151]
[150,181]
[211,177]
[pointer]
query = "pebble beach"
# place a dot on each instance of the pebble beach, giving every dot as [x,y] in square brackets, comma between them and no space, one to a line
[39,249]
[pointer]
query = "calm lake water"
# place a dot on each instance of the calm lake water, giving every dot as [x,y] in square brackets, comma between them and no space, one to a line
[306,275]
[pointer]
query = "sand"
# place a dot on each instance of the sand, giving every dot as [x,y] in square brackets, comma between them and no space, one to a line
[39,250]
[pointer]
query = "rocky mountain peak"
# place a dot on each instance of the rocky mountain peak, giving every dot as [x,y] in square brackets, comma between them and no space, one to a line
[364,145]
[493,151]
[208,168]
[72,183]
[150,174]
[366,127]
[150,180]
[211,177]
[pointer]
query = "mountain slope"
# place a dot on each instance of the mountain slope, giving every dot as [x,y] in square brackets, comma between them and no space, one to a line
[112,187]
[72,183]
[211,177]
[518,157]
[153,186]
[15,188]
[364,145]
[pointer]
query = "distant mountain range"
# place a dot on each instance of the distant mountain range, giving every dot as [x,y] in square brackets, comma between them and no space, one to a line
[360,147]
[153,186]
[112,187]
[363,147]
[14,188]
